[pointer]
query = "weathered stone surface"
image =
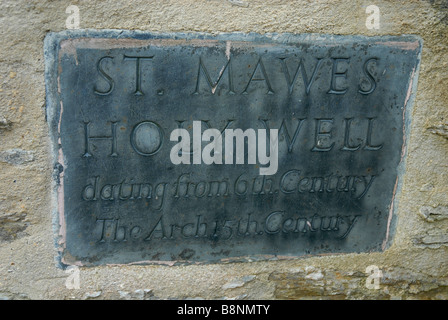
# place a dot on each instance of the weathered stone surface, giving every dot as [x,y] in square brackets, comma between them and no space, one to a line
[239,282]
[441,130]
[12,225]
[139,294]
[394,284]
[434,240]
[34,274]
[93,295]
[432,214]
[5,124]
[16,156]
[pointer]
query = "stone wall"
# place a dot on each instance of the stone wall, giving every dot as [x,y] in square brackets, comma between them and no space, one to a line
[413,267]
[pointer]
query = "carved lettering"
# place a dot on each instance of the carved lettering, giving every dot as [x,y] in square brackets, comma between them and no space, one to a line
[301,67]
[138,71]
[337,74]
[153,193]
[369,78]
[213,85]
[88,138]
[347,146]
[105,76]
[272,224]
[292,181]
[369,145]
[259,74]
[322,135]
[147,138]
[284,131]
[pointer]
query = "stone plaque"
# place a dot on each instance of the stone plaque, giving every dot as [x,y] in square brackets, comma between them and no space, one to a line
[127,192]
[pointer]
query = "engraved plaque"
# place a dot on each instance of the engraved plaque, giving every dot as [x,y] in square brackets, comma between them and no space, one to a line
[340,106]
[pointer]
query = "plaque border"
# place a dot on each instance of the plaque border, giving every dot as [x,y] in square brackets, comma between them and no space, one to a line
[54,109]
